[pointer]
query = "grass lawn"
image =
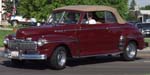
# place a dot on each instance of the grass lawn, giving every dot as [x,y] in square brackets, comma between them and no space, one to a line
[3,33]
[147,40]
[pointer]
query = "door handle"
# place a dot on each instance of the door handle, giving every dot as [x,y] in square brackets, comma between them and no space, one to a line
[107,28]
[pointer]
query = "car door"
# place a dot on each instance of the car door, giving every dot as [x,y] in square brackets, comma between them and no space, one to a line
[92,39]
[98,38]
[113,30]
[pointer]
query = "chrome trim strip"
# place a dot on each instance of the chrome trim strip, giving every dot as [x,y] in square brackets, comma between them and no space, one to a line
[102,28]
[63,41]
[114,27]
[66,30]
[122,42]
[117,53]
[94,28]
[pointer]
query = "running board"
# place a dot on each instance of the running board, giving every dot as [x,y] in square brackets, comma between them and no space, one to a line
[113,54]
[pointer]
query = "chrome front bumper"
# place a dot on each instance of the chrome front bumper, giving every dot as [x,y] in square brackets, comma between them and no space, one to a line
[25,56]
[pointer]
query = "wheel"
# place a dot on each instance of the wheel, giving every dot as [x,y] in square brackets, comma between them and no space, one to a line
[130,52]
[14,23]
[16,62]
[58,58]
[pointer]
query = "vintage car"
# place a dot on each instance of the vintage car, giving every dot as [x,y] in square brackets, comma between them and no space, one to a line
[16,19]
[144,28]
[68,33]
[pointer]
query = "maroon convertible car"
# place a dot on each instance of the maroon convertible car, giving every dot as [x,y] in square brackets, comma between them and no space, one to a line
[75,32]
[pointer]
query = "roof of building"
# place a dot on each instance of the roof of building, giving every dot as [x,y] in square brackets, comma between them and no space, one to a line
[145,12]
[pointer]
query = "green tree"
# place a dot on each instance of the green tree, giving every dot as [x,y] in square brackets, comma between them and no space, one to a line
[121,5]
[132,5]
[146,7]
[34,8]
[131,17]
[41,8]
[8,6]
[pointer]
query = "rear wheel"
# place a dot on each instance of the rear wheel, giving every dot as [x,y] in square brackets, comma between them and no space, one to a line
[58,58]
[130,52]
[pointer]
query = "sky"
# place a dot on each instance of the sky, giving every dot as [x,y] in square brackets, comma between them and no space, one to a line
[141,3]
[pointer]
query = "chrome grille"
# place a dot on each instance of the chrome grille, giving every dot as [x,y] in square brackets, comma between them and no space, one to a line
[21,45]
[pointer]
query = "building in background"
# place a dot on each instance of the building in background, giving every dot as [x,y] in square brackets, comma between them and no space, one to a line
[7,8]
[144,15]
[141,15]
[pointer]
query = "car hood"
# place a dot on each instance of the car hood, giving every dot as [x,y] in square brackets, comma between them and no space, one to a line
[35,31]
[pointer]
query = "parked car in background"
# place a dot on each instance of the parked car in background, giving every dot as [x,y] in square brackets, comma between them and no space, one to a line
[69,34]
[15,20]
[147,20]
[144,28]
[133,22]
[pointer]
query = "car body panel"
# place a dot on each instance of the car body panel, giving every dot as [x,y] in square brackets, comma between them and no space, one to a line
[82,39]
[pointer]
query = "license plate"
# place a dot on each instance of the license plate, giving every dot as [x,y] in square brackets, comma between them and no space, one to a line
[14,53]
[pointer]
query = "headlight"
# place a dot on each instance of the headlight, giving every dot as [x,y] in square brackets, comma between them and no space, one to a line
[5,41]
[41,42]
[142,31]
[122,37]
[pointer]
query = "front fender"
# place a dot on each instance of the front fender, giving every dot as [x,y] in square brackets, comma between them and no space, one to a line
[54,41]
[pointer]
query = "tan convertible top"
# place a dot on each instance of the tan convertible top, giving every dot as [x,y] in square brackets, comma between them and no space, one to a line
[90,8]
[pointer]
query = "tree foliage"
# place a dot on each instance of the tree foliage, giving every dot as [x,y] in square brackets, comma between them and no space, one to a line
[40,9]
[34,8]
[146,7]
[121,5]
[8,6]
[132,5]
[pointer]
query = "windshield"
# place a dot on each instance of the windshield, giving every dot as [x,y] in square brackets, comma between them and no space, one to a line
[64,17]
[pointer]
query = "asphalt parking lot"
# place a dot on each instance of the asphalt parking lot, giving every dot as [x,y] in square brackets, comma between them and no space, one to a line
[87,66]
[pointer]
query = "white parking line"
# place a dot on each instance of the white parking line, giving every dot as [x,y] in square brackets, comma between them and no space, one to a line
[147,61]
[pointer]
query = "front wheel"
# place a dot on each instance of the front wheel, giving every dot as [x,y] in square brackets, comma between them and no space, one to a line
[58,58]
[130,52]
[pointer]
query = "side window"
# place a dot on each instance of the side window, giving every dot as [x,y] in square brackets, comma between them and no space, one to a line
[92,18]
[100,16]
[56,17]
[71,18]
[110,18]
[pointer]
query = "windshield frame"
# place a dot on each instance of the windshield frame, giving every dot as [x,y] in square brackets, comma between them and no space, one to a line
[64,12]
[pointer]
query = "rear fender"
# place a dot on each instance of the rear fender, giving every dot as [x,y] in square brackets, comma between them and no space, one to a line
[137,38]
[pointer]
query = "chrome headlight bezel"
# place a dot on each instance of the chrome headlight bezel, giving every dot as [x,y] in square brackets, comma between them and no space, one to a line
[42,42]
[5,42]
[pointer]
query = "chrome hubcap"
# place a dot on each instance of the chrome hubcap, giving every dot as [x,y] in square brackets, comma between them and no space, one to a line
[61,58]
[131,50]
